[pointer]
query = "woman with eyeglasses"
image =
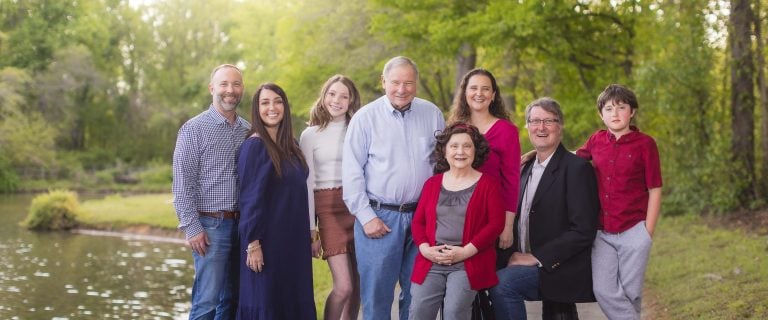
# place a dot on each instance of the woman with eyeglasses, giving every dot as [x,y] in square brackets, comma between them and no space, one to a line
[457,221]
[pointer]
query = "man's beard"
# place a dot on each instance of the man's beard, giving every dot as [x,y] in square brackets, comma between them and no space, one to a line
[227,106]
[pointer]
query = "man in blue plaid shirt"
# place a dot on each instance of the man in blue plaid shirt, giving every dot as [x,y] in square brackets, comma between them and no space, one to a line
[205,190]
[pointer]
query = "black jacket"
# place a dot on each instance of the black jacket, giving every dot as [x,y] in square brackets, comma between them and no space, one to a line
[562,226]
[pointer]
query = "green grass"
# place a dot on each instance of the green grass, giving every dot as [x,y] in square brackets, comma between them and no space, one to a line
[323,283]
[115,211]
[698,272]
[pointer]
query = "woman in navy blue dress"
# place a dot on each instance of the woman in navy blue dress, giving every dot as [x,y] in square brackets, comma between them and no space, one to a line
[276,265]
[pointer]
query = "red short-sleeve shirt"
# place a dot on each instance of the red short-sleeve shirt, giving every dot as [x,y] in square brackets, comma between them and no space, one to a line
[625,169]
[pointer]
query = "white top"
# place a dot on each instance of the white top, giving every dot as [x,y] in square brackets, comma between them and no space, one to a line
[322,150]
[525,208]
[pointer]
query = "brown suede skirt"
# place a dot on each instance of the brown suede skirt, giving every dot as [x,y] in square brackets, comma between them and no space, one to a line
[335,222]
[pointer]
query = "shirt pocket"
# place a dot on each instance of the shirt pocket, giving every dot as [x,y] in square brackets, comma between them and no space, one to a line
[629,164]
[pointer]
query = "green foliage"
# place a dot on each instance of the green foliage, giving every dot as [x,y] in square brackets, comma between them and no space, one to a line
[692,264]
[9,181]
[158,173]
[92,84]
[55,210]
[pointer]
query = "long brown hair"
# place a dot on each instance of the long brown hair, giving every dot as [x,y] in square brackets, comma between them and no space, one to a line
[460,109]
[285,148]
[319,115]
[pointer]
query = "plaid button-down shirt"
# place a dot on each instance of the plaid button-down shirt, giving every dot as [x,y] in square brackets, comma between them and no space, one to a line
[205,167]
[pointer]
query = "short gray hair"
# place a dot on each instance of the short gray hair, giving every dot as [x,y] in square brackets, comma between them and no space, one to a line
[397,62]
[549,105]
[226,65]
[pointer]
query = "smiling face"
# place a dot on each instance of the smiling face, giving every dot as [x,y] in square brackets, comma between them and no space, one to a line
[336,100]
[400,85]
[617,116]
[226,87]
[544,130]
[271,108]
[460,151]
[479,92]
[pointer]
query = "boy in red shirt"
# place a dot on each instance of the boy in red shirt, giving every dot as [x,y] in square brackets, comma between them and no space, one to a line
[628,174]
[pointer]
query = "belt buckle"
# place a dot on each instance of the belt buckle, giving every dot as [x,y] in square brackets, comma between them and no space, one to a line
[402,207]
[221,214]
[375,205]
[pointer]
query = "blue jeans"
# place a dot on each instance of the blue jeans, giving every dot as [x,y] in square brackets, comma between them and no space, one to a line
[382,262]
[516,285]
[214,292]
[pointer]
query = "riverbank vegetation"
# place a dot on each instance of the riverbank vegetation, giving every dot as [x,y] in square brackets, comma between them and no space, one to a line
[55,210]
[153,177]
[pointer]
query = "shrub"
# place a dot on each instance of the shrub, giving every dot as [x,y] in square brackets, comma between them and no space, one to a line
[157,173]
[55,210]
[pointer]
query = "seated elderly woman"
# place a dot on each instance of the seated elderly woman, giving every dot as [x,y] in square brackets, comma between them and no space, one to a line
[459,217]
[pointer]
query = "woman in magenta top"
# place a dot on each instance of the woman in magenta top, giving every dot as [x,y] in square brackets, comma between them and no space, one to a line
[478,102]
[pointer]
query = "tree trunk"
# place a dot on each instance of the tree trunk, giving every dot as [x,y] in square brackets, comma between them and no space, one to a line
[465,61]
[762,89]
[742,101]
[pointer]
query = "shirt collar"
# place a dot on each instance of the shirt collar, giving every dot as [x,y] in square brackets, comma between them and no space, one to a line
[628,137]
[220,119]
[543,164]
[403,111]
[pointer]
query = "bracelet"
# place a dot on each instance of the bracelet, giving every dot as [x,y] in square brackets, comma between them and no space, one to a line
[315,238]
[251,248]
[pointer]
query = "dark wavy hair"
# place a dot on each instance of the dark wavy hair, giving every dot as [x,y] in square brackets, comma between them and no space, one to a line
[319,115]
[481,145]
[460,109]
[285,149]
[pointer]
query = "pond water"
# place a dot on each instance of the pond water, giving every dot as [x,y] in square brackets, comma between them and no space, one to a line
[60,275]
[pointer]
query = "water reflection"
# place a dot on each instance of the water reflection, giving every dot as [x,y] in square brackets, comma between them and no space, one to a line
[60,275]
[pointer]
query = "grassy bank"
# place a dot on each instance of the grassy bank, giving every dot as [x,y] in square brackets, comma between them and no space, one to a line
[118,212]
[700,272]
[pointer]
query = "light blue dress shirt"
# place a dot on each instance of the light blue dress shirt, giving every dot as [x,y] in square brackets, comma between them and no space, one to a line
[387,154]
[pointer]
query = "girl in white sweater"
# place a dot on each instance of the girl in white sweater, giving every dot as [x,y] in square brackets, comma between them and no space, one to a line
[322,145]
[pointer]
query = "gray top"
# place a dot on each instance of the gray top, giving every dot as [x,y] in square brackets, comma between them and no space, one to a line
[451,211]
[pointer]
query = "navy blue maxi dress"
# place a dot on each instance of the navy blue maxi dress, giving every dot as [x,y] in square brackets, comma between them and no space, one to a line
[274,210]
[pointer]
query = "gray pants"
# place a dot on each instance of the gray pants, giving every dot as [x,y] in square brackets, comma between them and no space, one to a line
[618,271]
[442,285]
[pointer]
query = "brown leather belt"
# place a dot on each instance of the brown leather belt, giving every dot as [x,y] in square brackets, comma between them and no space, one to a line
[221,214]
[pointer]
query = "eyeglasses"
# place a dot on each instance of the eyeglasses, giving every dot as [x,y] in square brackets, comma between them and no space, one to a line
[546,122]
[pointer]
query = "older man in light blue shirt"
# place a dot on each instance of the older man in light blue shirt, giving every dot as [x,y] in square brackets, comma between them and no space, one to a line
[386,160]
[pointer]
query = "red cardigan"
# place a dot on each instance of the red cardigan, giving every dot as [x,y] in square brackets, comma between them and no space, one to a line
[482,225]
